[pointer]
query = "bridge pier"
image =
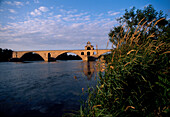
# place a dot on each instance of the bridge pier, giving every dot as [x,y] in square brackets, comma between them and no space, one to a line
[85,58]
[46,60]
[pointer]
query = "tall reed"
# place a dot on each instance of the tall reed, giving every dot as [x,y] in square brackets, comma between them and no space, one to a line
[134,81]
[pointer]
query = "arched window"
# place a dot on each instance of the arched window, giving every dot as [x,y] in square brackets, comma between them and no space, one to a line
[88,48]
[82,53]
[88,53]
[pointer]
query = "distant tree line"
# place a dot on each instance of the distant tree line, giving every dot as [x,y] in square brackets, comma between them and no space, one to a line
[5,55]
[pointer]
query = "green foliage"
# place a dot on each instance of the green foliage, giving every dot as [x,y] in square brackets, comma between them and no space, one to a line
[135,79]
[131,19]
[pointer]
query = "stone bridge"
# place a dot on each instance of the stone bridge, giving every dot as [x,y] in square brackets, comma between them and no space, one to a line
[84,54]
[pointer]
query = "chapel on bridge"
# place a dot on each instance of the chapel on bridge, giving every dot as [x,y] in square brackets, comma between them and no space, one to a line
[89,46]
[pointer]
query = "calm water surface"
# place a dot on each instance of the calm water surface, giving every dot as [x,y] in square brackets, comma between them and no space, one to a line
[42,88]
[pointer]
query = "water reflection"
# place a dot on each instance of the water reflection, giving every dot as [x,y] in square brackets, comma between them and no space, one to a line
[42,88]
[88,69]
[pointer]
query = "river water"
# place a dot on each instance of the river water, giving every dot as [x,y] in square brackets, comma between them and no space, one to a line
[43,88]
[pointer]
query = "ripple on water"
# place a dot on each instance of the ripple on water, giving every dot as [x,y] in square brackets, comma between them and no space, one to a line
[41,88]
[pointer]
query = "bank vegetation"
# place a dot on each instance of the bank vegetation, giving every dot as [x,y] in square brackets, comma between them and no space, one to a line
[135,79]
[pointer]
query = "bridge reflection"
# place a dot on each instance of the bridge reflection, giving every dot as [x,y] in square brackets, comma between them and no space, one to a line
[88,68]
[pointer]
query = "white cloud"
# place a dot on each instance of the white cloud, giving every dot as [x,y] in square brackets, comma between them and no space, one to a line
[43,9]
[87,17]
[49,34]
[75,25]
[36,12]
[53,32]
[111,13]
[76,17]
[1,10]
[12,11]
[39,11]
[62,10]
[14,3]
[72,11]
[18,3]
[58,16]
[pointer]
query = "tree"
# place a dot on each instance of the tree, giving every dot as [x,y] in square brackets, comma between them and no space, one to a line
[134,18]
[5,54]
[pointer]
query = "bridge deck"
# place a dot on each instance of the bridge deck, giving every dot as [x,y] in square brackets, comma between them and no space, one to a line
[84,54]
[57,50]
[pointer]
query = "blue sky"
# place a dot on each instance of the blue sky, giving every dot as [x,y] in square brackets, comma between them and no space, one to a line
[63,24]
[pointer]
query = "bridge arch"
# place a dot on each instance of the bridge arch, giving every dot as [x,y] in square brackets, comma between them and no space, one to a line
[31,56]
[88,53]
[103,53]
[77,53]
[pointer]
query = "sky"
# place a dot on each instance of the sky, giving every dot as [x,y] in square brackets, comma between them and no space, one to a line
[63,24]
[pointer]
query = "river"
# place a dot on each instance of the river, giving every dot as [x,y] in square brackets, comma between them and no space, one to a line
[43,88]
